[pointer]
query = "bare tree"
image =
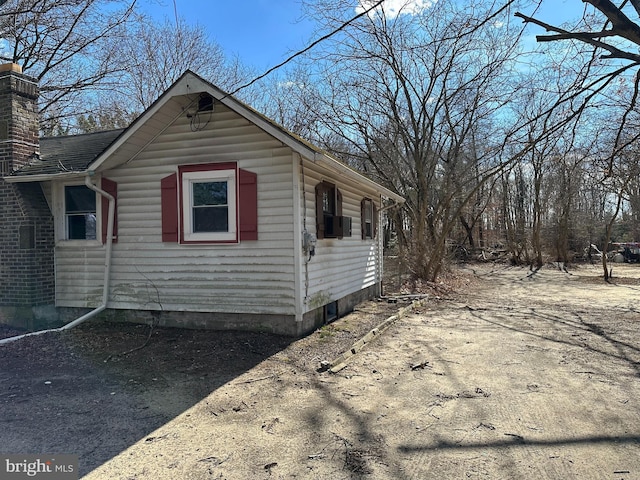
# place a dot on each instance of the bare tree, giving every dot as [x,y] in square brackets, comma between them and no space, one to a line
[107,116]
[617,38]
[515,218]
[157,54]
[415,99]
[290,99]
[66,45]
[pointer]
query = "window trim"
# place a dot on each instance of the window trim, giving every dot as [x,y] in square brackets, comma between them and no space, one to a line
[62,234]
[368,205]
[102,211]
[322,216]
[82,213]
[189,174]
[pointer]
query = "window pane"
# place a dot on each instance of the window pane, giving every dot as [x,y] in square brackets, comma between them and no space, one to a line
[79,199]
[209,193]
[81,227]
[80,210]
[368,211]
[211,219]
[209,205]
[328,202]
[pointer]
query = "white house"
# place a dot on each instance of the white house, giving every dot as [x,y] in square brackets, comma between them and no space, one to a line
[220,219]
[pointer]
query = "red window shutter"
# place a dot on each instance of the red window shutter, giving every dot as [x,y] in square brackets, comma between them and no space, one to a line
[169,202]
[111,188]
[248,204]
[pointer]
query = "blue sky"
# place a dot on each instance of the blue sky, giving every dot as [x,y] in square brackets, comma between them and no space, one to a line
[263,33]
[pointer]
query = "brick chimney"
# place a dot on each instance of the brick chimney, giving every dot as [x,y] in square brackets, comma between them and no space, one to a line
[19,124]
[27,279]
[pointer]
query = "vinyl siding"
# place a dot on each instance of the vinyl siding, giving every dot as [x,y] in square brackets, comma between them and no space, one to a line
[340,266]
[249,277]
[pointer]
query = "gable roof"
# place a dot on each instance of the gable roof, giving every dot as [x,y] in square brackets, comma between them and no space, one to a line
[67,154]
[146,128]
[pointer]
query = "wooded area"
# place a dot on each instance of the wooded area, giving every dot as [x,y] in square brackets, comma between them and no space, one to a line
[501,144]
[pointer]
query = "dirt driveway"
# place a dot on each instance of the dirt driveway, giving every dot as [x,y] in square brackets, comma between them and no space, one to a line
[522,376]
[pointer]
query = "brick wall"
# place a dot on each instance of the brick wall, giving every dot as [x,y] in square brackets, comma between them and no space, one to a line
[26,246]
[26,225]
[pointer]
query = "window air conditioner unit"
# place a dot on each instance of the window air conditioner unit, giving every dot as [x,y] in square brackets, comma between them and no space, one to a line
[337,226]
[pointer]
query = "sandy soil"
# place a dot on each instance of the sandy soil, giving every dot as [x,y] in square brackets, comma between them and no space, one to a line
[519,375]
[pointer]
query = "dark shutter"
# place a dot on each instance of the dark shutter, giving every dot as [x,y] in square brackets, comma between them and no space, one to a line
[341,231]
[319,211]
[111,188]
[374,220]
[169,202]
[248,204]
[363,218]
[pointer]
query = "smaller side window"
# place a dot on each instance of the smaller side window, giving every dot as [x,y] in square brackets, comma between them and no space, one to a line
[368,218]
[329,220]
[79,212]
[325,209]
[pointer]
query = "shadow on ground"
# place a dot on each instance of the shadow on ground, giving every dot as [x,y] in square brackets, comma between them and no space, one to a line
[98,389]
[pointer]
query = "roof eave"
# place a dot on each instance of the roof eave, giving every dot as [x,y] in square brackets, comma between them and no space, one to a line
[338,167]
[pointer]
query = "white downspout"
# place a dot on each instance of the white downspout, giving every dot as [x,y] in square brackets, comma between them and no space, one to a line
[107,270]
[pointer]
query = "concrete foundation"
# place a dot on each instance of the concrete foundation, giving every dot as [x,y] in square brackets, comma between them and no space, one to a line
[277,324]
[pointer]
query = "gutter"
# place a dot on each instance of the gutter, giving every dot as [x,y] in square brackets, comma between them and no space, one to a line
[107,270]
[342,169]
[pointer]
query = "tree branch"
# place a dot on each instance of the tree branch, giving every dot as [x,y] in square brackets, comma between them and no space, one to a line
[585,37]
[622,25]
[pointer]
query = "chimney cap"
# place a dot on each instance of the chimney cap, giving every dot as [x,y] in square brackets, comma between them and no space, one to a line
[10,67]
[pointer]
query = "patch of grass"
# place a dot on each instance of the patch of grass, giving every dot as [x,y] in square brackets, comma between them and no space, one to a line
[335,327]
[326,331]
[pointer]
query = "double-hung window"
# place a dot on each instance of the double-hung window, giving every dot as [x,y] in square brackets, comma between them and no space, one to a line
[368,218]
[80,213]
[83,213]
[209,205]
[329,220]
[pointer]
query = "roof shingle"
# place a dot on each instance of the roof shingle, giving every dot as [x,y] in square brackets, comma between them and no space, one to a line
[66,154]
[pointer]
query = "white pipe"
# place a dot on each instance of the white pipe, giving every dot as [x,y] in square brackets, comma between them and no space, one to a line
[107,253]
[107,271]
